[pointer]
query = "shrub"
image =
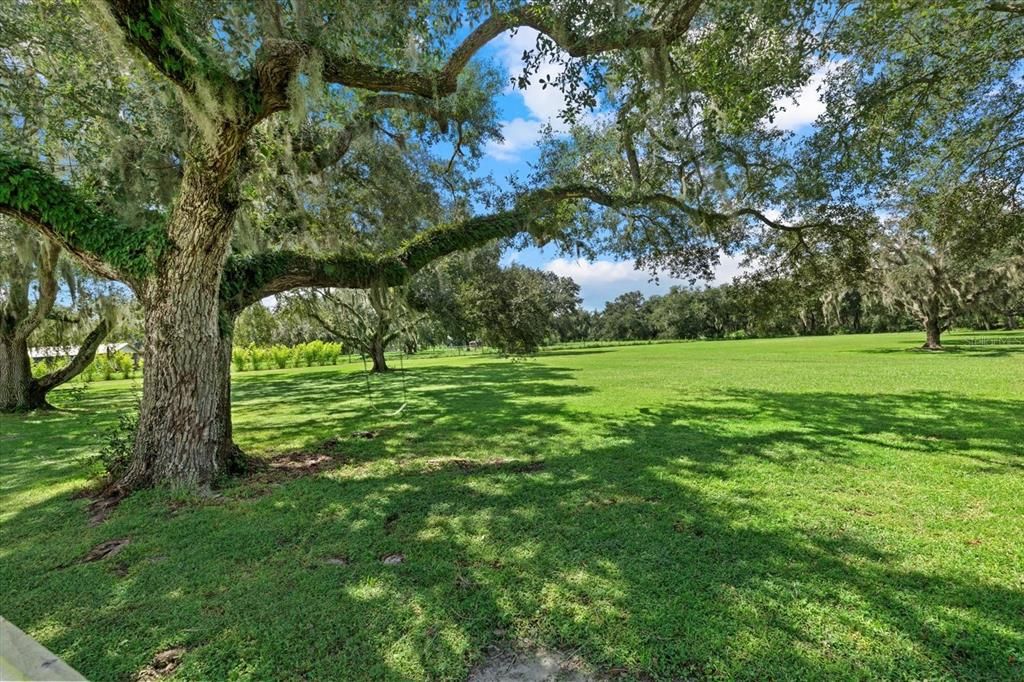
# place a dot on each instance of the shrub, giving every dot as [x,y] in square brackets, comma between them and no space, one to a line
[239,356]
[88,374]
[280,355]
[40,368]
[115,453]
[260,356]
[312,352]
[124,364]
[103,367]
[330,353]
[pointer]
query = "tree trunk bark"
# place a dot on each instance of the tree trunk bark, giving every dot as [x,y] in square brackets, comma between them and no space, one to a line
[183,429]
[184,432]
[18,390]
[377,354]
[933,332]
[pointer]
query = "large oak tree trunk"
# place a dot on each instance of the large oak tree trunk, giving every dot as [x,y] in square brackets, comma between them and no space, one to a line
[184,432]
[16,382]
[377,354]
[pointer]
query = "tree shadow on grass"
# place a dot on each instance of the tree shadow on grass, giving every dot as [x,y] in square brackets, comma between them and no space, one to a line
[747,535]
[993,345]
[464,405]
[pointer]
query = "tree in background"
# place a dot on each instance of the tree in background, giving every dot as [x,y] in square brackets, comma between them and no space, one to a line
[369,321]
[950,251]
[516,308]
[32,273]
[438,291]
[625,318]
[256,325]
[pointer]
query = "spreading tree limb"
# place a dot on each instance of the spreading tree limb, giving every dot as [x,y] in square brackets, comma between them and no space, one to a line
[279,59]
[99,241]
[248,279]
[85,356]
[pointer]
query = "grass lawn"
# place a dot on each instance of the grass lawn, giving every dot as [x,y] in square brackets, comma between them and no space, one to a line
[827,508]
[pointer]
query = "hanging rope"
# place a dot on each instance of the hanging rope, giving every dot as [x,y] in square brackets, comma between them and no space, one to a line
[369,390]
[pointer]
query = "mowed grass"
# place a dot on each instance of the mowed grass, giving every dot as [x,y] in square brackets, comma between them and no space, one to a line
[816,508]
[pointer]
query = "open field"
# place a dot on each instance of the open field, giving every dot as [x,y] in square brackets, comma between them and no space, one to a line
[827,508]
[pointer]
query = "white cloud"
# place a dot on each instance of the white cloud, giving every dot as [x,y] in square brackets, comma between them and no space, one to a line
[543,104]
[805,106]
[728,268]
[602,280]
[519,134]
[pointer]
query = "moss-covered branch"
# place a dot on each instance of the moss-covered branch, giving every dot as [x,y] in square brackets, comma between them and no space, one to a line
[279,59]
[157,29]
[99,241]
[250,278]
[86,354]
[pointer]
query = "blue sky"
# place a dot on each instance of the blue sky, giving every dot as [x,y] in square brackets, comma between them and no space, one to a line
[523,112]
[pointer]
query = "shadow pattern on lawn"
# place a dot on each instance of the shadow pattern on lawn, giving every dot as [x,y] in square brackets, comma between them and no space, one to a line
[661,543]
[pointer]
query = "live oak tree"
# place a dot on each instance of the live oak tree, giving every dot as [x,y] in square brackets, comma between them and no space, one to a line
[949,251]
[368,321]
[924,93]
[183,126]
[516,309]
[32,271]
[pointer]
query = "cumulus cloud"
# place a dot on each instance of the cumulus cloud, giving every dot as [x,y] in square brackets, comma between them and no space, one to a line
[602,280]
[543,104]
[804,107]
[519,134]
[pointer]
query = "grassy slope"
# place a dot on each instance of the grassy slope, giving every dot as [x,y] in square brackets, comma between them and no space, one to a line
[797,508]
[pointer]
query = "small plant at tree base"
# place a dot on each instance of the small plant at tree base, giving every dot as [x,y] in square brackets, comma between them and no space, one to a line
[39,369]
[115,453]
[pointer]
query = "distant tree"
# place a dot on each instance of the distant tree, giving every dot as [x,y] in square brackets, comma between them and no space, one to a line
[625,318]
[32,272]
[438,291]
[575,325]
[516,309]
[949,251]
[255,325]
[367,320]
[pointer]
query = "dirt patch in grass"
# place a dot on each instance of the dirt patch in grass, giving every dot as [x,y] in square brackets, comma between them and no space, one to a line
[162,665]
[104,500]
[300,463]
[105,550]
[508,664]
